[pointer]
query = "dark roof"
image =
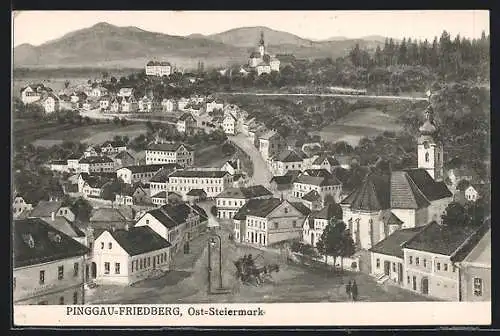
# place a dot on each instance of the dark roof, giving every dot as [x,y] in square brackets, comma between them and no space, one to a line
[162,175]
[391,219]
[255,54]
[440,239]
[150,168]
[196,192]
[249,192]
[173,215]
[168,147]
[318,180]
[59,162]
[123,155]
[161,194]
[467,247]
[47,247]
[372,195]
[199,173]
[97,181]
[392,245]
[139,240]
[405,193]
[109,215]
[328,212]
[312,196]
[45,208]
[301,208]
[289,155]
[331,160]
[186,116]
[317,172]
[114,144]
[65,226]
[96,159]
[257,207]
[431,189]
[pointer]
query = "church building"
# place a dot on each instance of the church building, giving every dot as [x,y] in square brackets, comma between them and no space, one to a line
[262,62]
[402,199]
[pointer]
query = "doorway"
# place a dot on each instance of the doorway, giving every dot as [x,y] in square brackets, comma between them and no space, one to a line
[414,283]
[400,273]
[87,274]
[312,238]
[93,270]
[387,268]
[425,286]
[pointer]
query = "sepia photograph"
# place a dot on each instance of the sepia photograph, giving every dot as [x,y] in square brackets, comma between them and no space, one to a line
[334,158]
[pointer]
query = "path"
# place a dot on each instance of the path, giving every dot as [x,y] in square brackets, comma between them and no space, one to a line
[261,173]
[324,95]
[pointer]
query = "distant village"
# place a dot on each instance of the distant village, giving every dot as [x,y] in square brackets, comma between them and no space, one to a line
[394,220]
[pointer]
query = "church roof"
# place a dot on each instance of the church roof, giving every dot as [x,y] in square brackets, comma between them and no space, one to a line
[255,54]
[405,194]
[372,195]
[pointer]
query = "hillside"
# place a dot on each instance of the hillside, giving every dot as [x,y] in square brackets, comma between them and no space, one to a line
[106,45]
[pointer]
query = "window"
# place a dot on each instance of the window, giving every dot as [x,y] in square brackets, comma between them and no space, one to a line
[294,223]
[427,157]
[446,267]
[425,263]
[75,269]
[110,246]
[394,267]
[90,246]
[147,221]
[478,287]
[132,270]
[106,268]
[438,266]
[61,300]
[149,261]
[276,225]
[42,278]
[378,263]
[417,261]
[286,210]
[60,272]
[408,279]
[411,260]
[102,246]
[117,268]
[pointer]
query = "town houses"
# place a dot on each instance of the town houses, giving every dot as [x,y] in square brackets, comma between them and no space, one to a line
[261,62]
[142,173]
[170,153]
[157,68]
[213,182]
[231,200]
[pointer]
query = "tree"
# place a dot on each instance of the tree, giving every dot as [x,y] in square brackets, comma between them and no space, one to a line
[347,247]
[213,210]
[330,242]
[66,84]
[82,209]
[455,215]
[462,185]
[111,189]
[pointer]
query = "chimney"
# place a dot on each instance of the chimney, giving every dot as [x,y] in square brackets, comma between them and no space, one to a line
[113,229]
[126,227]
[53,215]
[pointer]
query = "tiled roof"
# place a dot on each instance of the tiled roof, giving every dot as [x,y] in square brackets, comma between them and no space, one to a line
[257,207]
[317,172]
[114,144]
[440,239]
[199,173]
[123,155]
[301,208]
[98,181]
[186,116]
[168,147]
[405,194]
[46,248]
[392,245]
[65,226]
[162,175]
[108,215]
[331,160]
[196,192]
[290,156]
[431,189]
[285,179]
[268,135]
[96,159]
[328,212]
[161,194]
[152,167]
[474,240]
[45,208]
[173,215]
[391,219]
[139,240]
[372,195]
[245,193]
[317,180]
[312,196]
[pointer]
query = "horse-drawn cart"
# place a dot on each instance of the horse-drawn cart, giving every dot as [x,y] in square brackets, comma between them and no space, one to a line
[249,270]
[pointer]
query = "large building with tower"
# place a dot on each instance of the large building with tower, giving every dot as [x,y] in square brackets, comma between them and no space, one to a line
[262,62]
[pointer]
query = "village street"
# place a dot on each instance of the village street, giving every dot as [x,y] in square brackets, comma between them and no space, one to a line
[261,173]
[187,281]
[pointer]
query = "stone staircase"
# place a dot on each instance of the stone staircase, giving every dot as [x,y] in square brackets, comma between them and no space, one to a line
[381,278]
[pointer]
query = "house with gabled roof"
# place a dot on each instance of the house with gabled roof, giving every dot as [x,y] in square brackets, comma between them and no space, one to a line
[123,159]
[186,123]
[432,258]
[230,200]
[271,144]
[268,221]
[143,173]
[178,223]
[179,153]
[130,255]
[113,147]
[158,68]
[324,184]
[47,210]
[313,200]
[325,161]
[288,159]
[48,265]
[32,93]
[317,221]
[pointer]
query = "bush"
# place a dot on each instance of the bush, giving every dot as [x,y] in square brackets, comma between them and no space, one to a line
[213,210]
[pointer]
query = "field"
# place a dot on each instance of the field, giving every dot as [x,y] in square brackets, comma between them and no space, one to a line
[366,122]
[50,133]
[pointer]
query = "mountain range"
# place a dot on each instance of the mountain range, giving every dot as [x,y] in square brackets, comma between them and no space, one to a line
[106,45]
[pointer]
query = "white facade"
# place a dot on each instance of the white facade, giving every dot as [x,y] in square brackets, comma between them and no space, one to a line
[263,69]
[50,104]
[130,177]
[158,69]
[168,105]
[57,282]
[96,167]
[19,205]
[211,185]
[471,194]
[29,96]
[229,125]
[213,105]
[301,189]
[311,235]
[181,156]
[115,265]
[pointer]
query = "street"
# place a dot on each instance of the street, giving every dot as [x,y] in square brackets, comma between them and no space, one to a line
[187,282]
[261,173]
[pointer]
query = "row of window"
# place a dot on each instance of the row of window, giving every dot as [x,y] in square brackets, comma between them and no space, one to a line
[161,153]
[197,180]
[60,273]
[229,202]
[424,264]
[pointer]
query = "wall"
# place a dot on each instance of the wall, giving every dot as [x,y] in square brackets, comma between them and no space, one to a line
[154,224]
[407,216]
[394,266]
[468,274]
[437,208]
[28,290]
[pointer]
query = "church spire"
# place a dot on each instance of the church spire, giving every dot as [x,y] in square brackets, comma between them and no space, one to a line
[429,127]
[261,42]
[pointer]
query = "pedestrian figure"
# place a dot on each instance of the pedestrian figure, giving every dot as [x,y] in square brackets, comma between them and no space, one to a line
[354,290]
[348,289]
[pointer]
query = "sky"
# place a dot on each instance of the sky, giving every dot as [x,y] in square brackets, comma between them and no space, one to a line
[38,27]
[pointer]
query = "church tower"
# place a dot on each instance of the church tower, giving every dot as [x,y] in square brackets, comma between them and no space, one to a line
[430,148]
[261,45]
